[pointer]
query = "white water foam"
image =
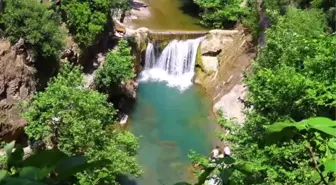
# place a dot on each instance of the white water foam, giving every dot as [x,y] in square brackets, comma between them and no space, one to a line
[174,65]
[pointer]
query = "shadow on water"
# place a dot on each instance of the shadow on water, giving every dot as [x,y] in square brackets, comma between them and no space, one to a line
[124,179]
[189,7]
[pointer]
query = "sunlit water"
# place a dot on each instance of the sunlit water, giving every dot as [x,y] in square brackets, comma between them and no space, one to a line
[174,65]
[170,123]
[169,15]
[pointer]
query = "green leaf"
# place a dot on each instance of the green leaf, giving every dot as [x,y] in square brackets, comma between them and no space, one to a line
[330,165]
[280,126]
[229,160]
[327,130]
[277,127]
[3,174]
[21,181]
[32,173]
[70,162]
[9,148]
[16,157]
[245,168]
[225,174]
[332,143]
[320,122]
[66,173]
[46,158]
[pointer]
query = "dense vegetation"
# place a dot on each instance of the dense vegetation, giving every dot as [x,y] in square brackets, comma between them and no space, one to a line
[220,14]
[78,121]
[88,19]
[288,137]
[293,79]
[36,24]
[117,68]
[65,116]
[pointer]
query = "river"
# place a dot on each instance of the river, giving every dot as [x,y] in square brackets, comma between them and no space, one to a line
[169,121]
[167,15]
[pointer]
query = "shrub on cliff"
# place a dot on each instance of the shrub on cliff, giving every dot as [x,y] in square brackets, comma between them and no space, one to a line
[118,67]
[35,23]
[80,122]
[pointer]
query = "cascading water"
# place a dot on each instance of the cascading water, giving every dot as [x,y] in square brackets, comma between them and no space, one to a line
[174,65]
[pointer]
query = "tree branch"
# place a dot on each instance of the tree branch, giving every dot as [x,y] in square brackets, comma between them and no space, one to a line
[316,165]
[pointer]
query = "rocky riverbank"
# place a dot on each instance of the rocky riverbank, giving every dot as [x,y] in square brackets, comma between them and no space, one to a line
[223,58]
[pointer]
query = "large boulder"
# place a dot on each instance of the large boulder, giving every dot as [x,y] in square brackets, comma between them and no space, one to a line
[231,105]
[216,40]
[209,64]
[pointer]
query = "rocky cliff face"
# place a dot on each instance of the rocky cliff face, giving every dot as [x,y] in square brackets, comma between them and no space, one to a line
[16,83]
[223,58]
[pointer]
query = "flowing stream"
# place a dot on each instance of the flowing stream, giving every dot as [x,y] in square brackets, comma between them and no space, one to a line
[171,115]
[174,65]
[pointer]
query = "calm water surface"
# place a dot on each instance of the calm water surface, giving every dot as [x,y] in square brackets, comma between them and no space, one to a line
[169,124]
[168,15]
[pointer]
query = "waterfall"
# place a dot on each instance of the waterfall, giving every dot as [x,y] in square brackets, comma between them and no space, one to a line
[174,65]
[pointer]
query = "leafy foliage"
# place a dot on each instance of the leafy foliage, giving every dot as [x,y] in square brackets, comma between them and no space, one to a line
[319,135]
[87,19]
[43,167]
[226,169]
[80,122]
[36,24]
[117,68]
[220,14]
[293,78]
[274,8]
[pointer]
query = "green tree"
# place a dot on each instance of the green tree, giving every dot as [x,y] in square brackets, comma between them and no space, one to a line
[88,19]
[274,8]
[220,13]
[36,24]
[117,68]
[80,122]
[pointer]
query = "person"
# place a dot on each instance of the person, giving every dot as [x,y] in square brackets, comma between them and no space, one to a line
[214,153]
[221,155]
[226,151]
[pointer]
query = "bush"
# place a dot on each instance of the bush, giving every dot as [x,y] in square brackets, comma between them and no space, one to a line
[80,122]
[36,24]
[117,68]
